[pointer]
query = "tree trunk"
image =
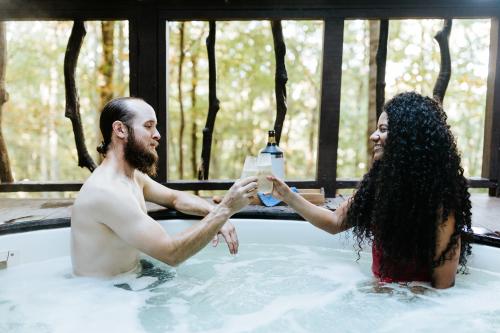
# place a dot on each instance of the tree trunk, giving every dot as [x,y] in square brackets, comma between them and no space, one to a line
[312,136]
[105,70]
[182,124]
[213,105]
[53,138]
[72,100]
[379,32]
[5,171]
[280,78]
[44,168]
[44,126]
[107,64]
[194,115]
[120,61]
[381,63]
[443,79]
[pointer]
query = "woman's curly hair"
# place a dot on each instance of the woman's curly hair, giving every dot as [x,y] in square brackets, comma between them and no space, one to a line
[409,193]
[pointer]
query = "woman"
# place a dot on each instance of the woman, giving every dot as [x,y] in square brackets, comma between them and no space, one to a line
[412,205]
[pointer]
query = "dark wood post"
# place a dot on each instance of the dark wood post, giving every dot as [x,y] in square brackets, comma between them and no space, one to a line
[443,79]
[148,57]
[333,38]
[213,105]
[72,100]
[280,77]
[374,36]
[381,63]
[491,147]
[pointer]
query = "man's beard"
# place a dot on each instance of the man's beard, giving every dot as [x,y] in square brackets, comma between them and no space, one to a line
[139,157]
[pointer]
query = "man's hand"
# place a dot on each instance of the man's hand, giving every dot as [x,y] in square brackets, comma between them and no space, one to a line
[239,194]
[229,233]
[236,198]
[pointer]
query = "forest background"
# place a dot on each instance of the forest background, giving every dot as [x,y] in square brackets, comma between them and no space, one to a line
[40,140]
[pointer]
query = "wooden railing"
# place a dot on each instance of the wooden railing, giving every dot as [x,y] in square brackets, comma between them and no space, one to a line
[148,67]
[345,183]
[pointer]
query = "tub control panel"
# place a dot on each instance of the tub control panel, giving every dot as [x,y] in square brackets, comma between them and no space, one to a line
[8,258]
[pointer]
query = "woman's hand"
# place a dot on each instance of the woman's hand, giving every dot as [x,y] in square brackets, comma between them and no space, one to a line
[281,191]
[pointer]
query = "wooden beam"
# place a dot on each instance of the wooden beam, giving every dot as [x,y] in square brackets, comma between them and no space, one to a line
[478,182]
[491,145]
[341,183]
[261,9]
[381,59]
[67,10]
[226,184]
[322,9]
[41,187]
[333,37]
[161,110]
[148,71]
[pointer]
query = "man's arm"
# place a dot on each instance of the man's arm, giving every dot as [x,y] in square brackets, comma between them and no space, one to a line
[120,211]
[184,202]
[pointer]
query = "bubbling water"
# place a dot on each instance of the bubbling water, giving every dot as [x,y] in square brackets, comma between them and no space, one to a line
[265,288]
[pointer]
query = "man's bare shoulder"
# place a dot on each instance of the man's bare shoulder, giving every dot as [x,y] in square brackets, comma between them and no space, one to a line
[143,180]
[98,197]
[140,176]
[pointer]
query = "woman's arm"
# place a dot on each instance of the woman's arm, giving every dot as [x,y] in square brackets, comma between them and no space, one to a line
[320,217]
[443,276]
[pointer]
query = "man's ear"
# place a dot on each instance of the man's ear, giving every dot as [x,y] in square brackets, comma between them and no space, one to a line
[120,129]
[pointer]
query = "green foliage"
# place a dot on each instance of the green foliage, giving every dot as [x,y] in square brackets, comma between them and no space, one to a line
[41,143]
[245,88]
[351,160]
[413,64]
[39,138]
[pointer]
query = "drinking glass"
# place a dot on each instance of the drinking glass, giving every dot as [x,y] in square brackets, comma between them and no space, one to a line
[264,169]
[250,167]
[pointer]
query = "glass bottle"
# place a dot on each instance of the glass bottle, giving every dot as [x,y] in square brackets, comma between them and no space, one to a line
[277,156]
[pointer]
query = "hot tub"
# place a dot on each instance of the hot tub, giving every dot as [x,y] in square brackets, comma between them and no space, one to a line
[288,277]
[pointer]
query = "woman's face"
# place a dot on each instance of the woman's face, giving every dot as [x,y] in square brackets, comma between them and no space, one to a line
[379,136]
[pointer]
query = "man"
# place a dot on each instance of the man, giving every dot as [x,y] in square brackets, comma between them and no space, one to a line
[109,222]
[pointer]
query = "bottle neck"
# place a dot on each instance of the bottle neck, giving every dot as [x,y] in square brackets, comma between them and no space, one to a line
[272,148]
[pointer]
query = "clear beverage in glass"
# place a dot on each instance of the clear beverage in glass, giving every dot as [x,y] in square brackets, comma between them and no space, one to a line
[250,167]
[264,169]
